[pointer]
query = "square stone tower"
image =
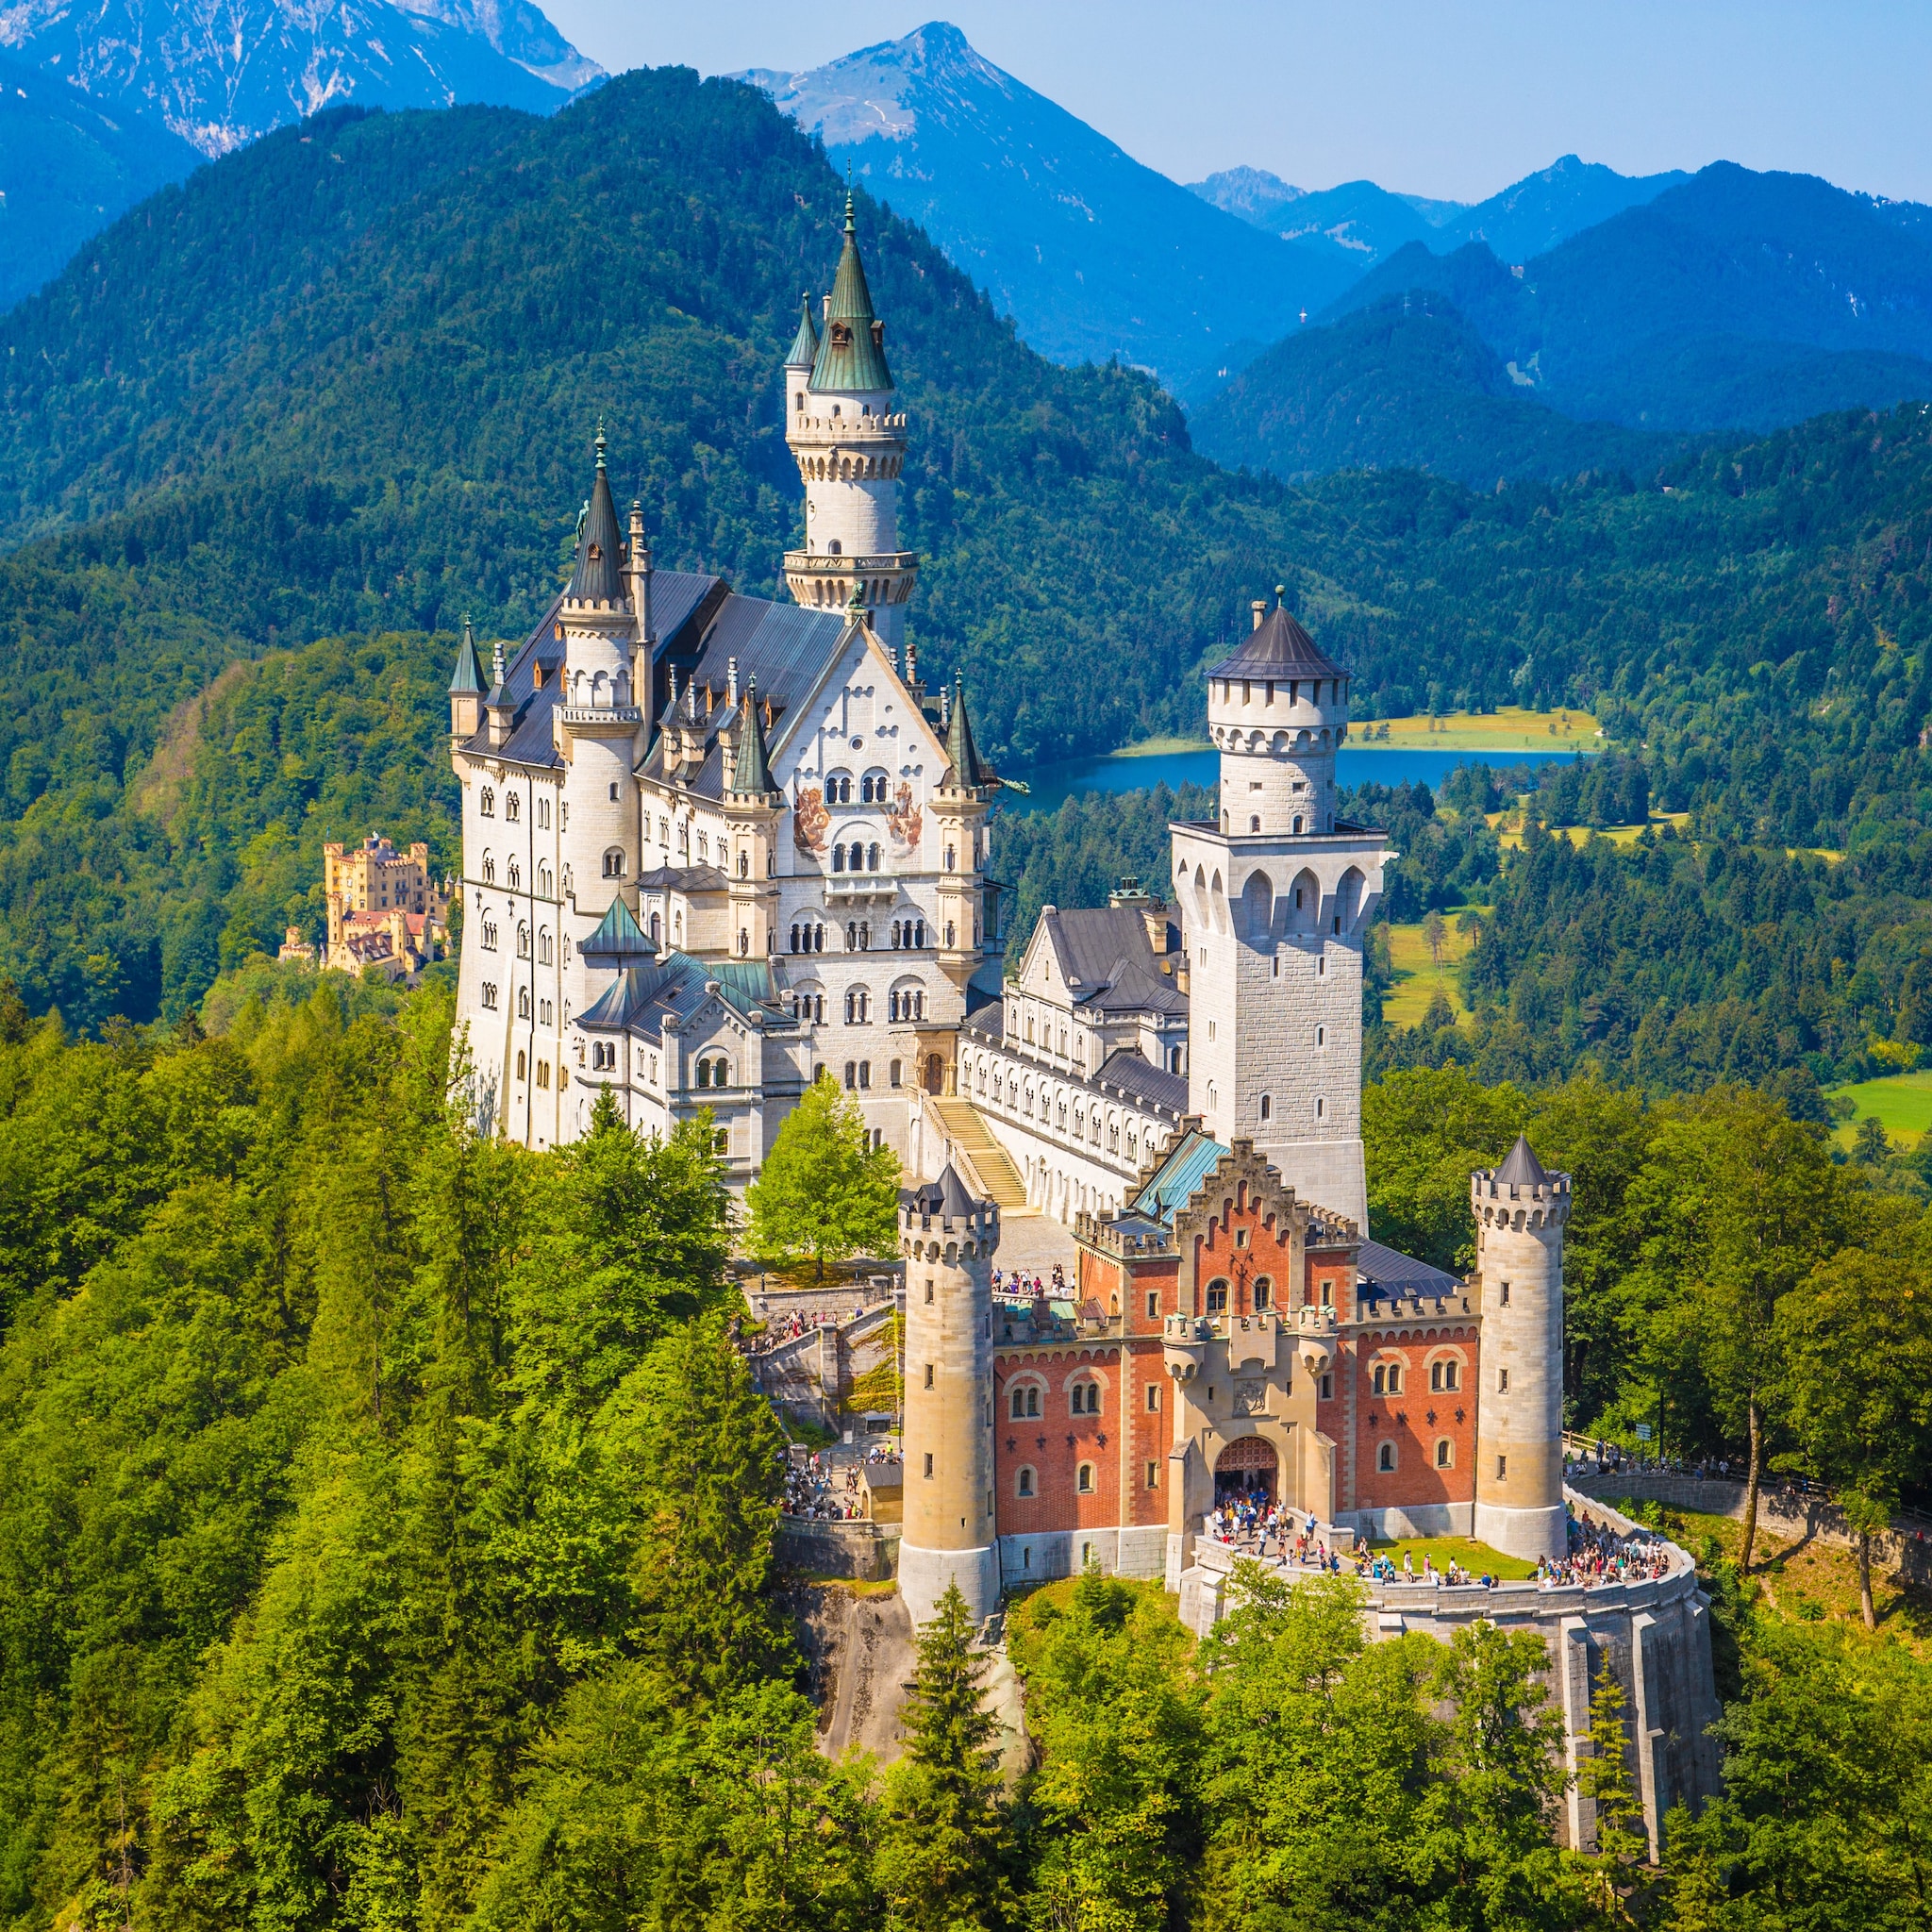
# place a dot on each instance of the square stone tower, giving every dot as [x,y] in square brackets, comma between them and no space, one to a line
[1276,895]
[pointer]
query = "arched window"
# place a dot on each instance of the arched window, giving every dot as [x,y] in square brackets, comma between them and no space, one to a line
[657,928]
[521,1064]
[488,869]
[1019,1404]
[1084,1481]
[1444,1376]
[613,863]
[523,941]
[839,789]
[856,859]
[522,1004]
[1217,1297]
[487,804]
[516,876]
[1255,822]
[1086,1398]
[838,858]
[1023,1486]
[950,860]
[1385,1459]
[1320,1109]
[858,1002]
[873,788]
[1264,1293]
[1445,1453]
[543,883]
[512,806]
[872,861]
[489,995]
[1298,833]
[489,934]
[1266,1108]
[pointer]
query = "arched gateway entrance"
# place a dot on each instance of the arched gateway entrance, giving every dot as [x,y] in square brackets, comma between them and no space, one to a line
[1245,1468]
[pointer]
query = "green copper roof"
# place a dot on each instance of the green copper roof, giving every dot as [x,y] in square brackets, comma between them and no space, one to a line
[853,354]
[751,772]
[805,344]
[468,677]
[599,575]
[969,768]
[618,937]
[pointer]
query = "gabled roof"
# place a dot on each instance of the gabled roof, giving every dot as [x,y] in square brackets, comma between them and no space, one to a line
[1189,1162]
[1108,961]
[1129,1071]
[599,575]
[1522,1169]
[676,986]
[852,355]
[1279,648]
[803,351]
[467,679]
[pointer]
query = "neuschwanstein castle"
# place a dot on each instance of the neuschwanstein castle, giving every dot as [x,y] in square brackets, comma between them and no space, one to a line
[716,847]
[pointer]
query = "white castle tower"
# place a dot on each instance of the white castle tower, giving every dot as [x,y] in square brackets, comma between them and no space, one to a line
[850,447]
[1276,897]
[948,1239]
[1520,1211]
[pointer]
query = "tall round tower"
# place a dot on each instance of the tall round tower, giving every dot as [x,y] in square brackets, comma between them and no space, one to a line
[1520,1211]
[1278,711]
[850,444]
[948,1240]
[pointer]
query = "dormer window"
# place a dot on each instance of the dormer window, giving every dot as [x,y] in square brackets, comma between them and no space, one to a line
[596,553]
[839,336]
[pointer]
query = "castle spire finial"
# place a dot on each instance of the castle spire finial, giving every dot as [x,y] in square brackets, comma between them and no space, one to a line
[601,443]
[496,663]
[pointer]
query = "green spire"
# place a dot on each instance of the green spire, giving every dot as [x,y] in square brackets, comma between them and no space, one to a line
[751,772]
[805,344]
[967,768]
[853,354]
[468,677]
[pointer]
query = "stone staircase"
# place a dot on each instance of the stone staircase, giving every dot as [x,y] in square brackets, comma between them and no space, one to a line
[994,1174]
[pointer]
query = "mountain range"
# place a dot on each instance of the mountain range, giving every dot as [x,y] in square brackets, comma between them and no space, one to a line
[1368,224]
[107,103]
[1092,254]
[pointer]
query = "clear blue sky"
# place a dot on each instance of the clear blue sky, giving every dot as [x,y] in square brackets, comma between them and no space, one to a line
[1426,96]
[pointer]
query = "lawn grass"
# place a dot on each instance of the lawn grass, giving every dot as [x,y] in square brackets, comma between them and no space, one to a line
[1418,976]
[1901,1104]
[1477,1559]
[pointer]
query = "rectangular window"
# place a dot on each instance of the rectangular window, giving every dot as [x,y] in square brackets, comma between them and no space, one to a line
[865,1074]
[1154,1304]
[1502,1467]
[1153,1470]
[1328,1388]
[1154,1398]
[1505,1295]
[928,1465]
[928,1374]
[1502,1381]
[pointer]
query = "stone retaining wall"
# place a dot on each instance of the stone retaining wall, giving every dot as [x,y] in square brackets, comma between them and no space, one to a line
[867,1552]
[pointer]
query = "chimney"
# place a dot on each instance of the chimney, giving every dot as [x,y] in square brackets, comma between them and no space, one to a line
[731,681]
[1260,605]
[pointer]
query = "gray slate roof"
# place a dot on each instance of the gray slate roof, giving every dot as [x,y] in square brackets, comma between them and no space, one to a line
[1522,1169]
[1281,648]
[1109,961]
[642,996]
[1393,1273]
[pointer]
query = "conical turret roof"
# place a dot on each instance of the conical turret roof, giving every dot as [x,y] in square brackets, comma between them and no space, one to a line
[751,770]
[853,354]
[968,767]
[1522,1169]
[1277,648]
[947,1197]
[805,344]
[599,575]
[468,678]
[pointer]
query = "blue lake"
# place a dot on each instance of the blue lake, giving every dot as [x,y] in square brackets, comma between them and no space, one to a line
[1354,765]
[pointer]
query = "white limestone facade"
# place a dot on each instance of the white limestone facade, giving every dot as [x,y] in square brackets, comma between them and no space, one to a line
[1080,1069]
[715,848]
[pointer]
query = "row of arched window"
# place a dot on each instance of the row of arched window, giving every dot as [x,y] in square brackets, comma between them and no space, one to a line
[1387,1458]
[1025,1396]
[857,857]
[909,935]
[513,808]
[714,1071]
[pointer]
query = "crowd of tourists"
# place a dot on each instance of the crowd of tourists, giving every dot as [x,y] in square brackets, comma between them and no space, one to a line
[825,1489]
[1599,1554]
[1263,1530]
[789,1327]
[1015,1284]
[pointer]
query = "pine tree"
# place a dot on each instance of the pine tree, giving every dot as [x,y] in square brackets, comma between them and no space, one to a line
[824,1191]
[945,1848]
[1604,1777]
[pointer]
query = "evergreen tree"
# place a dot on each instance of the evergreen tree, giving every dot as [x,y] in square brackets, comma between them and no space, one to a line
[824,1191]
[946,1840]
[1604,1777]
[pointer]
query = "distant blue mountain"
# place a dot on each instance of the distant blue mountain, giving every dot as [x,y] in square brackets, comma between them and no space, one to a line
[1367,224]
[1090,252]
[1735,300]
